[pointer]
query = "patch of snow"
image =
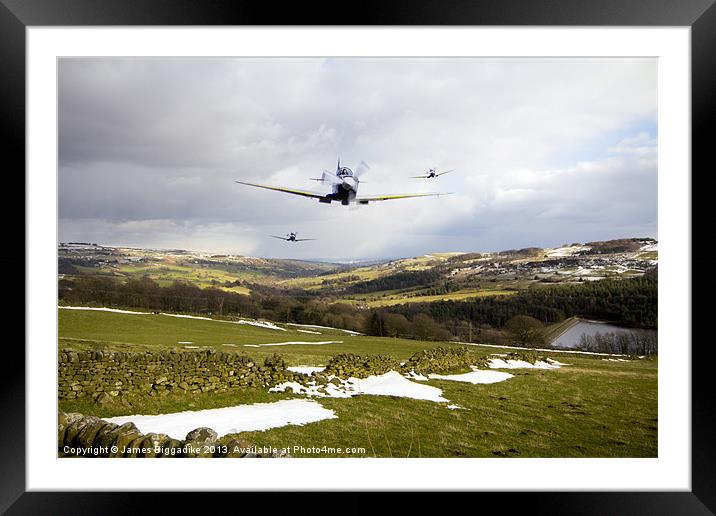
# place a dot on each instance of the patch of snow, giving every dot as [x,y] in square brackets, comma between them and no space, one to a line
[295,342]
[550,350]
[309,370]
[475,376]
[323,328]
[184,316]
[261,324]
[498,363]
[311,326]
[185,342]
[391,383]
[649,247]
[552,361]
[571,250]
[191,347]
[230,420]
[232,345]
[115,310]
[319,391]
[309,331]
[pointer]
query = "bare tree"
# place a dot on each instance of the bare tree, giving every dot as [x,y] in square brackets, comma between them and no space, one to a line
[525,331]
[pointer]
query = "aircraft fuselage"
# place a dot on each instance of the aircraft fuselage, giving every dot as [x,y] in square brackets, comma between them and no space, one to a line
[346,191]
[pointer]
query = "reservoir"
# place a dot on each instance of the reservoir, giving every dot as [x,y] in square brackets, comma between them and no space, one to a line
[570,338]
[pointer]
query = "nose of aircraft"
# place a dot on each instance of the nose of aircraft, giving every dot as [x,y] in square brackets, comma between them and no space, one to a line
[349,183]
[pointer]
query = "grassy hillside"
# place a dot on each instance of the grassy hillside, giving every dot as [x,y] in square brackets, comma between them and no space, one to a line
[402,298]
[96,330]
[589,408]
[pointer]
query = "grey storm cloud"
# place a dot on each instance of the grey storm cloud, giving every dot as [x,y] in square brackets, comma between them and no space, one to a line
[547,151]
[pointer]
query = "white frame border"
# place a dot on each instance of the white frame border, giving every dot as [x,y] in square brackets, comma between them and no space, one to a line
[670,471]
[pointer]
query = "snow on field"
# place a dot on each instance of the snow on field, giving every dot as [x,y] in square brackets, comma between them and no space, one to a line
[649,247]
[309,331]
[391,383]
[344,390]
[475,376]
[260,324]
[184,316]
[554,362]
[351,332]
[571,250]
[311,326]
[191,347]
[103,310]
[498,363]
[230,420]
[309,370]
[185,342]
[550,350]
[321,343]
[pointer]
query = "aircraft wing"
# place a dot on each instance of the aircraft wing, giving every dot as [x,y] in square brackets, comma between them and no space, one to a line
[282,238]
[447,172]
[293,191]
[366,200]
[419,177]
[304,239]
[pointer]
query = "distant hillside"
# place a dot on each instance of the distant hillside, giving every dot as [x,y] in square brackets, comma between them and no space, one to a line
[166,266]
[432,277]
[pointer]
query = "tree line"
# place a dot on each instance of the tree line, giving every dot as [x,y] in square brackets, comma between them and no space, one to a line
[629,302]
[625,343]
[626,302]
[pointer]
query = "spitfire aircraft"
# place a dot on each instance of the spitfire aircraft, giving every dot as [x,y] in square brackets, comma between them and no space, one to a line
[344,183]
[432,173]
[291,237]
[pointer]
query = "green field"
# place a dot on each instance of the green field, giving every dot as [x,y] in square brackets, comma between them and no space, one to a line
[392,300]
[166,274]
[591,408]
[85,330]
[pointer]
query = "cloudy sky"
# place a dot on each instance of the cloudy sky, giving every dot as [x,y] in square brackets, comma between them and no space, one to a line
[547,151]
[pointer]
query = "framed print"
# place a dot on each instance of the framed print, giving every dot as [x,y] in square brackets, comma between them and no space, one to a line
[429,251]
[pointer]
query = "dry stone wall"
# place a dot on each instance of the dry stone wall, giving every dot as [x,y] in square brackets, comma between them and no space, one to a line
[107,375]
[89,436]
[435,360]
[345,365]
[443,360]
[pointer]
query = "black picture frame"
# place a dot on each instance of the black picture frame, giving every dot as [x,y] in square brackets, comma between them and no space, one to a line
[700,15]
